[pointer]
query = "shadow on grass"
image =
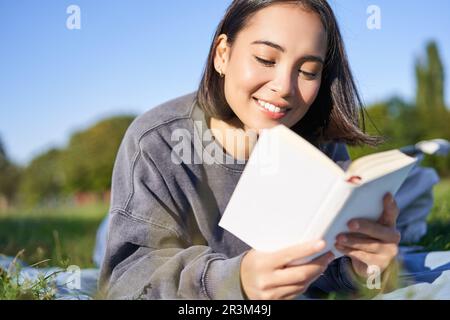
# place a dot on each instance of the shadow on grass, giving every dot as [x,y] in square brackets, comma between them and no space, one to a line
[64,240]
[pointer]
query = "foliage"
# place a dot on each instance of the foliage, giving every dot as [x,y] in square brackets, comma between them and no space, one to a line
[15,287]
[42,179]
[430,95]
[9,176]
[85,165]
[89,158]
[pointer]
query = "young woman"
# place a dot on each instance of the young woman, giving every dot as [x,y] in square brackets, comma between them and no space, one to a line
[271,62]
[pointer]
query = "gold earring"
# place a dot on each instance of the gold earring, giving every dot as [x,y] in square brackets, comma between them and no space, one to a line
[221,74]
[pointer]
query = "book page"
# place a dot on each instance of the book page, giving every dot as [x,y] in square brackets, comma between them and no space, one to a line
[376,165]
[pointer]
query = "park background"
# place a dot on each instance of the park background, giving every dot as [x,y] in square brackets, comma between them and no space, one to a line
[68,95]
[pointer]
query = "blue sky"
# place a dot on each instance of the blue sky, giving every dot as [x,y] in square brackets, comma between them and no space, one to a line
[131,55]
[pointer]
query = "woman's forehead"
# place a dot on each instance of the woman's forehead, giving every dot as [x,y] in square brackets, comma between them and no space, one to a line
[288,25]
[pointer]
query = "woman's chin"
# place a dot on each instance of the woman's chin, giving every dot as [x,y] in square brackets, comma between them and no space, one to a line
[261,125]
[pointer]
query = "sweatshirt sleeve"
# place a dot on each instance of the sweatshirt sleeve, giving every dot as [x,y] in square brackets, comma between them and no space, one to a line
[150,253]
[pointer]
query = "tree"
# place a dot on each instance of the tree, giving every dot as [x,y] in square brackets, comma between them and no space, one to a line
[433,115]
[9,175]
[392,120]
[2,151]
[43,179]
[84,166]
[89,159]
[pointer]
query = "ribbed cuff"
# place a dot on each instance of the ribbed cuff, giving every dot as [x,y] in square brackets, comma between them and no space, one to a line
[221,279]
[347,275]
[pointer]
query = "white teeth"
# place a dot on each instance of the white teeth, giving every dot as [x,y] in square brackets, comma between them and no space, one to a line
[269,106]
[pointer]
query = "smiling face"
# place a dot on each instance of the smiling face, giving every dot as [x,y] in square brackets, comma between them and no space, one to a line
[273,70]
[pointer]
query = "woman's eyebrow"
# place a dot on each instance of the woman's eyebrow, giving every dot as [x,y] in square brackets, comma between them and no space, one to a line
[280,48]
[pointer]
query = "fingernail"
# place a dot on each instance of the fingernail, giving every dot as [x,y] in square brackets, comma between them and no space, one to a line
[390,198]
[392,203]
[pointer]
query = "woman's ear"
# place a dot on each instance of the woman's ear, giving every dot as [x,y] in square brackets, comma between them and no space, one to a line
[222,54]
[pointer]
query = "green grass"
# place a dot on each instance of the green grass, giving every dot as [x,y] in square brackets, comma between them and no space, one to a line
[12,287]
[64,235]
[438,235]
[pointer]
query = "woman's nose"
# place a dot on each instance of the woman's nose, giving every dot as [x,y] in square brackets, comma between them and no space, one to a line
[284,83]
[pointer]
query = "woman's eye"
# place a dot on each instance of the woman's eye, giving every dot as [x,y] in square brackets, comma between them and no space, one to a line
[308,75]
[267,63]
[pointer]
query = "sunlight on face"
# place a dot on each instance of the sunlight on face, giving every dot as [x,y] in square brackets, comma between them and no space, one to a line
[277,58]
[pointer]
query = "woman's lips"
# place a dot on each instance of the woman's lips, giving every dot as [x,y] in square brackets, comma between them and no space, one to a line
[270,114]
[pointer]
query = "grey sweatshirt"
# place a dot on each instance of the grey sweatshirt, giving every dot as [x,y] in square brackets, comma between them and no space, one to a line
[164,240]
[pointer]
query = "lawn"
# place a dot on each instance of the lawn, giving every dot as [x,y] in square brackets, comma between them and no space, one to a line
[438,235]
[67,235]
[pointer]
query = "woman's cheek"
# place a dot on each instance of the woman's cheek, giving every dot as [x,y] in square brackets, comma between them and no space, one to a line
[309,91]
[251,77]
[237,82]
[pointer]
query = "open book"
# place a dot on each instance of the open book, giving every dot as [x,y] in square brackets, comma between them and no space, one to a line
[291,192]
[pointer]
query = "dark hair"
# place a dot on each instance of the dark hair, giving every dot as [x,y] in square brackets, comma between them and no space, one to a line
[337,114]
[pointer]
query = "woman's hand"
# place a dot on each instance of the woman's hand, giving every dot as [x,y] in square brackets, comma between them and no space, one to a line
[268,276]
[372,243]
